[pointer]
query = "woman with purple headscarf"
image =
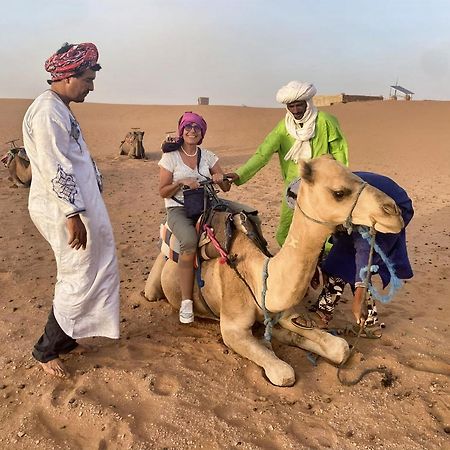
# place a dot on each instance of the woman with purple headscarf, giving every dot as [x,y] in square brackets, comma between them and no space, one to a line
[181,166]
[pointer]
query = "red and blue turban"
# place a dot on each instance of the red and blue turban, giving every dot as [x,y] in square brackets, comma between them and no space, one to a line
[76,59]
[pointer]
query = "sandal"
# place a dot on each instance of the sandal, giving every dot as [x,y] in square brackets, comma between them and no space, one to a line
[369,332]
[310,321]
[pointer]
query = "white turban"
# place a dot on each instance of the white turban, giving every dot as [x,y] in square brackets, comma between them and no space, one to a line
[296,91]
[304,129]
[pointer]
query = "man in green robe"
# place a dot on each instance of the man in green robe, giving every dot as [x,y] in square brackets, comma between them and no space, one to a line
[304,133]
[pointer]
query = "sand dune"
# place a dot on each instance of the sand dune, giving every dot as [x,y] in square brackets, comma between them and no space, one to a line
[164,385]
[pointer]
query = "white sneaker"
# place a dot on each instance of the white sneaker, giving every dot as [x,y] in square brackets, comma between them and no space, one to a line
[187,311]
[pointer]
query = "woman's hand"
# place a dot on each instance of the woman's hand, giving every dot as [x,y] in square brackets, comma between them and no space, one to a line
[217,178]
[223,182]
[191,182]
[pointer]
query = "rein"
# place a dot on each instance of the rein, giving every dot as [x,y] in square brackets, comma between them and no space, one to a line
[269,321]
[348,225]
[388,377]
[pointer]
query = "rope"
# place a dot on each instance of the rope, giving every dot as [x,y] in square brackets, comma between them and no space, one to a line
[269,321]
[223,254]
[395,283]
[369,235]
[348,224]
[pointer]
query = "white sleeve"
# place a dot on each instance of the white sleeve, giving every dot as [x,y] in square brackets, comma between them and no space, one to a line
[52,140]
[210,158]
[167,162]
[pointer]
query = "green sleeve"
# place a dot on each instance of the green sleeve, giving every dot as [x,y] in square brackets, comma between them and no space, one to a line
[262,156]
[336,141]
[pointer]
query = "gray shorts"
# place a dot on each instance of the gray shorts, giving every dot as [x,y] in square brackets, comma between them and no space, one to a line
[183,228]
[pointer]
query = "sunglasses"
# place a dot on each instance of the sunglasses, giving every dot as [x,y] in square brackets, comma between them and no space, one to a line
[192,127]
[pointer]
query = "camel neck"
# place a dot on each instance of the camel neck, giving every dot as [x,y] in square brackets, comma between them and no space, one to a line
[297,257]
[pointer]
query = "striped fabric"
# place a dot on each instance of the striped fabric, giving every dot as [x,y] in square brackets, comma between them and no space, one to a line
[170,246]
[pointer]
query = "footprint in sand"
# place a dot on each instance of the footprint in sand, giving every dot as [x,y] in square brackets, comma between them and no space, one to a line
[441,412]
[438,367]
[319,435]
[165,385]
[229,415]
[60,395]
[123,249]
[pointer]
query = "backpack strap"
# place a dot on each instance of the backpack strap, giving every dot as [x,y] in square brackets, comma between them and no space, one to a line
[199,157]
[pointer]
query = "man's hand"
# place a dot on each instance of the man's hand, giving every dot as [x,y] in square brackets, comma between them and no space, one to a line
[359,306]
[232,176]
[77,232]
[315,280]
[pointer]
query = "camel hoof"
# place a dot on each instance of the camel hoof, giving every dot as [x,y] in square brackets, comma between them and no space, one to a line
[282,375]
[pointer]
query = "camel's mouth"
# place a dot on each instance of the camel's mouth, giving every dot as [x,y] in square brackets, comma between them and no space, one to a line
[394,225]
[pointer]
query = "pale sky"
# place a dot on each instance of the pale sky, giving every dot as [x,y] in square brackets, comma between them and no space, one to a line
[234,51]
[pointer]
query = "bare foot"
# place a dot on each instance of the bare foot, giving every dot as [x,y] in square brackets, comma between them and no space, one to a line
[54,368]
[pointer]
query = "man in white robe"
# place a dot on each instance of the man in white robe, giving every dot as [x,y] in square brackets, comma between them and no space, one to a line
[66,205]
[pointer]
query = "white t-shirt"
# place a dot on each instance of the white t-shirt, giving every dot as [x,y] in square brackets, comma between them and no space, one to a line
[173,162]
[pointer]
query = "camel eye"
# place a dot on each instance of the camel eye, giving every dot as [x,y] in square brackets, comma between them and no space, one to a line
[338,195]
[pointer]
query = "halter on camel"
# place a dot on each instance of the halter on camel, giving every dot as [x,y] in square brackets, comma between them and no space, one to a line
[348,225]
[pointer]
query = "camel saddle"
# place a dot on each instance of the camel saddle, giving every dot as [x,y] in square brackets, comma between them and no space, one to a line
[11,154]
[215,234]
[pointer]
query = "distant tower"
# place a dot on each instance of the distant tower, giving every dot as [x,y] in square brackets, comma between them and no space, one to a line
[203,101]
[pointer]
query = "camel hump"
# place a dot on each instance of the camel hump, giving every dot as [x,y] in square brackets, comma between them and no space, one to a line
[250,225]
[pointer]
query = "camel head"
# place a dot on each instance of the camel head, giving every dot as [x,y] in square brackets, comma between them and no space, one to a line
[328,193]
[139,135]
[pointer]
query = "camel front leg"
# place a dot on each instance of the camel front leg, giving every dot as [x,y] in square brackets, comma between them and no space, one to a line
[153,290]
[318,341]
[239,337]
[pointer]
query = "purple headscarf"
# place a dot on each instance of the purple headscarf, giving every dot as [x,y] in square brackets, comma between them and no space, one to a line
[191,117]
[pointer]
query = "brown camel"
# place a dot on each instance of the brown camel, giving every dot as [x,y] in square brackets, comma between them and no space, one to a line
[132,145]
[18,165]
[327,194]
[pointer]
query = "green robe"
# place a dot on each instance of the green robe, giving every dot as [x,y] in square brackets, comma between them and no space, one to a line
[328,139]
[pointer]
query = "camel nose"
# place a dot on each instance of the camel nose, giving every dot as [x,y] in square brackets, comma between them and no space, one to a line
[391,209]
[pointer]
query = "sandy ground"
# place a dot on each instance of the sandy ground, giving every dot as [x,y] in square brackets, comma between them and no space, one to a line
[168,386]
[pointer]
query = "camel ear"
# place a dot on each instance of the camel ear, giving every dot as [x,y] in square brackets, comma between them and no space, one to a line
[306,172]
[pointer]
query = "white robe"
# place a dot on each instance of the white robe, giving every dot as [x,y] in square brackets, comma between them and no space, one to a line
[65,182]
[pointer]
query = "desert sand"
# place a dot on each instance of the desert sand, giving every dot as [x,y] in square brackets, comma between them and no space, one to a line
[164,385]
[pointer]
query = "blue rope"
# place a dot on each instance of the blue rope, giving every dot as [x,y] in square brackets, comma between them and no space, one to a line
[269,321]
[395,283]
